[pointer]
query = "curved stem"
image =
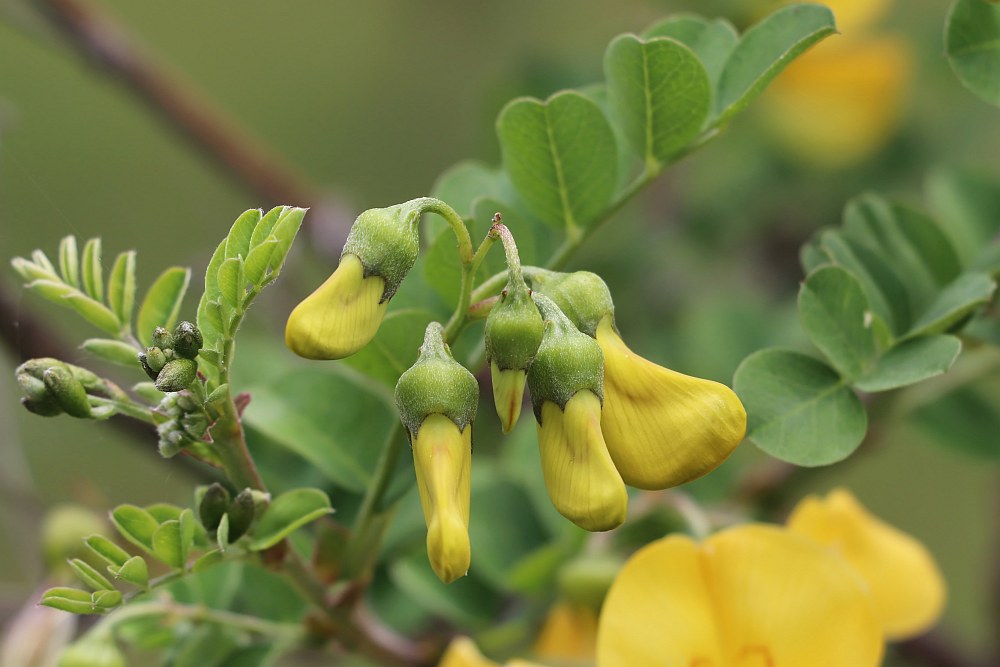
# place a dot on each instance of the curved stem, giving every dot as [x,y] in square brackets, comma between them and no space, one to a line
[454,220]
[280,631]
[469,271]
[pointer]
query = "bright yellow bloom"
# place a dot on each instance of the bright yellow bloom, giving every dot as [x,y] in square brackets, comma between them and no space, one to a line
[341,316]
[442,457]
[663,428]
[508,394]
[841,100]
[569,634]
[462,652]
[750,596]
[580,476]
[906,585]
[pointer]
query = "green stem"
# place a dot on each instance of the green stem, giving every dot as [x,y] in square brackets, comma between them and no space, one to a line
[279,631]
[454,220]
[469,271]
[126,407]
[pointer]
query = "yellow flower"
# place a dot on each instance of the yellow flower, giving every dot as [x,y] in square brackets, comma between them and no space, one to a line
[569,634]
[442,457]
[581,477]
[663,428]
[750,596]
[840,101]
[462,652]
[341,316]
[508,394]
[906,585]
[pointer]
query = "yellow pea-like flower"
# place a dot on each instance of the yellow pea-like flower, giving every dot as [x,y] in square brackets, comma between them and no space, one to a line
[341,316]
[442,457]
[580,476]
[906,585]
[663,428]
[568,634]
[462,652]
[750,596]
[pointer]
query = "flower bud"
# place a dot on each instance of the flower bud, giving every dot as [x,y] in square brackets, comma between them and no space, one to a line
[37,398]
[187,340]
[437,399]
[162,339]
[214,503]
[566,388]
[513,334]
[583,297]
[344,313]
[68,391]
[177,375]
[156,359]
[241,513]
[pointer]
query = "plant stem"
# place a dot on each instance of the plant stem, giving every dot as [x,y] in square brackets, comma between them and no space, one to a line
[454,220]
[469,271]
[288,632]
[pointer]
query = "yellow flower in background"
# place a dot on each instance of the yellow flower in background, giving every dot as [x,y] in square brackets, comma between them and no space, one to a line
[442,457]
[581,478]
[568,635]
[905,583]
[663,428]
[750,596]
[462,652]
[840,101]
[341,316]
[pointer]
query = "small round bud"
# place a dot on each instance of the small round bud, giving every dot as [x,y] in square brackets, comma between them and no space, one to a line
[187,401]
[177,375]
[195,423]
[583,297]
[156,359]
[213,505]
[68,391]
[513,330]
[162,339]
[241,513]
[187,340]
[145,366]
[436,384]
[47,407]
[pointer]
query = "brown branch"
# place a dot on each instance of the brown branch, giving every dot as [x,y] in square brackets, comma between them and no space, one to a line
[108,46]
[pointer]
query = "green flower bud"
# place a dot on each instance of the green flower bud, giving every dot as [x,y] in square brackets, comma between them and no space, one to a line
[162,339]
[145,366]
[92,652]
[171,444]
[436,384]
[68,391]
[513,333]
[187,401]
[583,297]
[241,513]
[567,361]
[195,423]
[213,505]
[46,407]
[177,375]
[187,340]
[155,359]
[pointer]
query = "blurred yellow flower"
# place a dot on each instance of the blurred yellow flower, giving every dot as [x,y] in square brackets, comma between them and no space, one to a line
[568,635]
[905,583]
[663,428]
[840,101]
[750,596]
[442,457]
[579,474]
[462,652]
[341,316]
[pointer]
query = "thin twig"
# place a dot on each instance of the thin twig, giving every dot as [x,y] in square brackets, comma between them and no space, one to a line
[114,51]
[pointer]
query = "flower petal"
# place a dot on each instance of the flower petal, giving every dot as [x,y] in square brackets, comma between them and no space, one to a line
[663,428]
[508,394]
[751,596]
[905,582]
[340,317]
[462,652]
[442,457]
[579,474]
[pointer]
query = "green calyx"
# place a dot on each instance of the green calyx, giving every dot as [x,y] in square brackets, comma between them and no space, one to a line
[51,387]
[513,329]
[387,242]
[214,503]
[436,384]
[567,361]
[583,296]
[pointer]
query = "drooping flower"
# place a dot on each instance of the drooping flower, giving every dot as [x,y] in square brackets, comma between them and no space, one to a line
[565,379]
[663,428]
[437,399]
[750,596]
[906,585]
[344,313]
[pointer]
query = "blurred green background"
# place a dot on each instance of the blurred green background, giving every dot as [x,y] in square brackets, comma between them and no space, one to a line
[371,101]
